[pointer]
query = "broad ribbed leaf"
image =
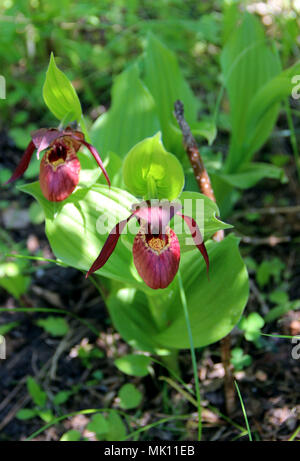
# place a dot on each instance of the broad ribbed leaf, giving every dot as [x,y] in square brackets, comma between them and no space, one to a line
[263,110]
[166,83]
[251,173]
[131,118]
[73,227]
[214,305]
[132,316]
[247,64]
[60,95]
[204,212]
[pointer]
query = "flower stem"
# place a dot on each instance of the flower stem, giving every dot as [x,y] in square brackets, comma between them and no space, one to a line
[193,355]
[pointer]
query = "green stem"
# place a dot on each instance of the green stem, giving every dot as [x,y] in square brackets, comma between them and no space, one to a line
[293,137]
[193,355]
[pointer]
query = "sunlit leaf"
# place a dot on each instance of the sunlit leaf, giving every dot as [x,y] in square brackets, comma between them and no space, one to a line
[131,117]
[60,95]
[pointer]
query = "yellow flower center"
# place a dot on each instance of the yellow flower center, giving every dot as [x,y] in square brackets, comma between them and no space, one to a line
[156,244]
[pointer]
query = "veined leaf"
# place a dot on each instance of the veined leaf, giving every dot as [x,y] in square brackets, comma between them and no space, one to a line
[204,211]
[131,118]
[166,83]
[215,305]
[60,95]
[263,109]
[247,64]
[77,229]
[149,164]
[249,174]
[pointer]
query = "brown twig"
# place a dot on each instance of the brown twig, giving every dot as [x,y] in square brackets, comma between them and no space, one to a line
[196,161]
[205,187]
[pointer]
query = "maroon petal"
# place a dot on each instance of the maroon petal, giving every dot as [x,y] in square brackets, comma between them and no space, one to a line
[156,257]
[58,178]
[24,162]
[156,215]
[96,156]
[109,246]
[197,237]
[43,137]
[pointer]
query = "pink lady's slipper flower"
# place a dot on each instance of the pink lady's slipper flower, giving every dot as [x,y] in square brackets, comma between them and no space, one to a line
[156,250]
[60,167]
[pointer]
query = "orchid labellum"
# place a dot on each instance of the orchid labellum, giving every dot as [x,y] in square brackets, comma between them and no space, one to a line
[60,167]
[156,250]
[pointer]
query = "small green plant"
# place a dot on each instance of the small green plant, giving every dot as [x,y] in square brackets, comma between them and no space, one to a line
[251,326]
[239,359]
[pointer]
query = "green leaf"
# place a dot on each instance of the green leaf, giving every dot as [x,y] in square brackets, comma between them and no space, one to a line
[252,325]
[205,128]
[150,171]
[166,83]
[117,429]
[240,360]
[132,316]
[60,95]
[251,173]
[215,305]
[131,118]
[279,297]
[78,228]
[26,413]
[46,415]
[134,365]
[36,213]
[247,64]
[98,424]
[38,395]
[71,436]
[56,326]
[12,279]
[7,327]
[130,396]
[267,269]
[263,110]
[62,397]
[204,212]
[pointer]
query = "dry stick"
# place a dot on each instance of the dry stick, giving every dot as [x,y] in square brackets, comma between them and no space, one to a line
[205,187]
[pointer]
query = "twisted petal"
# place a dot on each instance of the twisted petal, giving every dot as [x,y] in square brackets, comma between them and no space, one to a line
[43,137]
[24,162]
[109,246]
[197,237]
[96,156]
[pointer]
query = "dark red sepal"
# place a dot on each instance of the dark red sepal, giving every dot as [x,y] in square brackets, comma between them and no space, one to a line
[197,237]
[24,162]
